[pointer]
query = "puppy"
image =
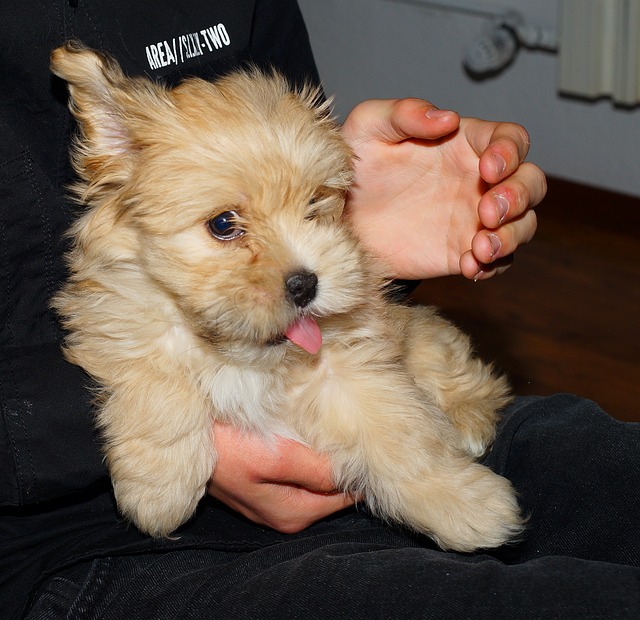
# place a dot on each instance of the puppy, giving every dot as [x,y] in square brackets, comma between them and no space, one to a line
[213,278]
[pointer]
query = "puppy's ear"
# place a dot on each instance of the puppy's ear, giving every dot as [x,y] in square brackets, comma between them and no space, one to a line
[108,107]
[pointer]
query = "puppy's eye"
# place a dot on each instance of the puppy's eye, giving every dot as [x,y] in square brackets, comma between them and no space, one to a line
[225,226]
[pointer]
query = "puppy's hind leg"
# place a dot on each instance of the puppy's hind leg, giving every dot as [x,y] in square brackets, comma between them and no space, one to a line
[441,360]
[159,450]
[404,455]
[461,504]
[427,483]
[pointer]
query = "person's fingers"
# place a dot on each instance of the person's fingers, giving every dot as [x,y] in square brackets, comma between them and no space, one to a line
[281,483]
[396,120]
[473,269]
[285,508]
[501,147]
[279,460]
[296,464]
[299,489]
[293,509]
[492,250]
[510,199]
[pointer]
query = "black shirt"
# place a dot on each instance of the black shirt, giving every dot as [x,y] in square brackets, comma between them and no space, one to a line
[55,502]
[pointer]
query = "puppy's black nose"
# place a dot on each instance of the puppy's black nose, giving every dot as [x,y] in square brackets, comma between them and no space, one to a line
[302,287]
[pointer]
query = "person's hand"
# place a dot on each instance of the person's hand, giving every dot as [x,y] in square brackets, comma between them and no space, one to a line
[438,195]
[284,485]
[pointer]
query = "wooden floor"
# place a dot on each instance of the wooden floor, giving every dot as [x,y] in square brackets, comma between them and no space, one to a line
[566,316]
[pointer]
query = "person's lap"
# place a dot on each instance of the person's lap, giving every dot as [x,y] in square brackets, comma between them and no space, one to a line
[578,474]
[577,471]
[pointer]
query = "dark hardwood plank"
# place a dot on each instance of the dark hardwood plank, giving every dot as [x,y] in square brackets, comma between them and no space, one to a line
[566,316]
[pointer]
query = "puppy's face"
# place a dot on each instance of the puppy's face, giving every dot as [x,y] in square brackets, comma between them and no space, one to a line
[228,196]
[239,213]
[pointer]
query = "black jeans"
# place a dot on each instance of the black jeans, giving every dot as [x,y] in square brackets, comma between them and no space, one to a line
[578,474]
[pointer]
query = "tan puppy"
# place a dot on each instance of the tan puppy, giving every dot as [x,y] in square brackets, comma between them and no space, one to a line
[214,278]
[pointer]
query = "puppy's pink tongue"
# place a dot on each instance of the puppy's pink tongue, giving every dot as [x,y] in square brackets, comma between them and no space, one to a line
[306,334]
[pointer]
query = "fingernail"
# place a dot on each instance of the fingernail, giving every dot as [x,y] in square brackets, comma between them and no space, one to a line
[502,206]
[435,113]
[496,244]
[500,163]
[478,276]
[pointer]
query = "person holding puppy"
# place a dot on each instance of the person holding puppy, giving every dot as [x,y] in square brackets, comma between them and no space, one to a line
[65,550]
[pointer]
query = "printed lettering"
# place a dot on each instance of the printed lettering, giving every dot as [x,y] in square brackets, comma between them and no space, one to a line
[216,37]
[186,46]
[161,55]
[205,36]
[171,57]
[152,56]
[183,44]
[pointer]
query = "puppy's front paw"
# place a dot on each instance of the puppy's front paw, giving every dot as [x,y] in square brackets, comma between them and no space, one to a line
[156,509]
[159,487]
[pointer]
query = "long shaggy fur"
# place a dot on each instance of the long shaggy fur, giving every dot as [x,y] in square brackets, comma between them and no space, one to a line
[181,327]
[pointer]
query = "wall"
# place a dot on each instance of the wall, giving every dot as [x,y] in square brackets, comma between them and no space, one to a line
[387,48]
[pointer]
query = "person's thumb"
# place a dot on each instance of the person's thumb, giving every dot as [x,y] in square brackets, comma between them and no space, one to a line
[396,120]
